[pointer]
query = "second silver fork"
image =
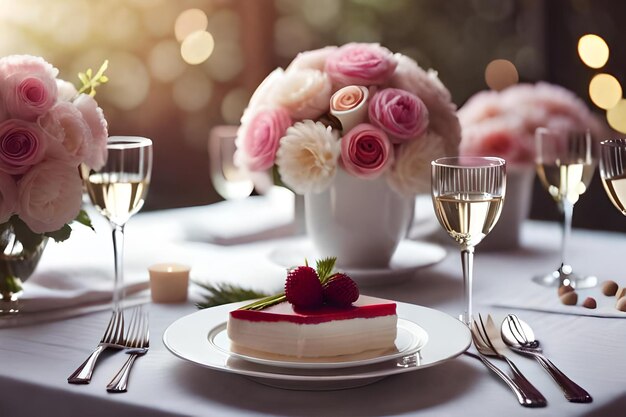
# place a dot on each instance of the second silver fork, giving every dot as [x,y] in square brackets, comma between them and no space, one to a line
[489,349]
[137,344]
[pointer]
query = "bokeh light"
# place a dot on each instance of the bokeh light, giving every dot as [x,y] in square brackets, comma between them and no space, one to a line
[129,81]
[593,51]
[605,91]
[616,116]
[197,47]
[226,62]
[165,61]
[188,22]
[500,74]
[192,91]
[233,105]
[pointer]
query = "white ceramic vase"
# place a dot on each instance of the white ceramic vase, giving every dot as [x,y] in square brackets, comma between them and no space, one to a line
[506,234]
[361,222]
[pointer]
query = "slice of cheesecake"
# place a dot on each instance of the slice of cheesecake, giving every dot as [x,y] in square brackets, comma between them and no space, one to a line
[369,323]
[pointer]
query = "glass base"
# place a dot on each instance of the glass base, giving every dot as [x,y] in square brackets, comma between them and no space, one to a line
[9,308]
[565,276]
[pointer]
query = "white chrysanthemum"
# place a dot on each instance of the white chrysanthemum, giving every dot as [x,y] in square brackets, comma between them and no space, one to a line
[307,157]
[410,173]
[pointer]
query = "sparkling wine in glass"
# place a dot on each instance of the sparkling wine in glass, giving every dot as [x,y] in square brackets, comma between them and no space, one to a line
[565,166]
[118,191]
[468,193]
[613,171]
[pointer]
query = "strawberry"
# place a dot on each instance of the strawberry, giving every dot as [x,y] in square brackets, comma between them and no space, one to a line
[303,287]
[341,290]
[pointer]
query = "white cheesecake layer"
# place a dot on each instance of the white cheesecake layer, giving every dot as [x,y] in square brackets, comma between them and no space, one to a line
[333,338]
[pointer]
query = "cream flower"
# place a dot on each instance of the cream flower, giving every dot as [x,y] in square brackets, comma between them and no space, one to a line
[410,174]
[304,93]
[307,157]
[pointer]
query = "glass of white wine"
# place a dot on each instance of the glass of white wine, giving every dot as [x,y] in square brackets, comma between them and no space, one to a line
[230,181]
[468,193]
[118,191]
[565,166]
[613,171]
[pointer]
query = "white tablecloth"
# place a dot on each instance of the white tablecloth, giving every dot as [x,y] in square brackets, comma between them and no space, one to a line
[35,360]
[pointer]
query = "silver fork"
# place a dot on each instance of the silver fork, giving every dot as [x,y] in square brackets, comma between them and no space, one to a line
[137,344]
[487,348]
[113,338]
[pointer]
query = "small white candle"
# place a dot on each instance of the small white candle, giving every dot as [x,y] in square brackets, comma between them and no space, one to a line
[169,282]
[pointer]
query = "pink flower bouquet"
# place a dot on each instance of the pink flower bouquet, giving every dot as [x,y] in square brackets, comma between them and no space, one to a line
[359,107]
[47,129]
[504,123]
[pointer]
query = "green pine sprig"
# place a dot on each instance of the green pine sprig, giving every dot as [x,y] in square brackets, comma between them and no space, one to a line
[223,293]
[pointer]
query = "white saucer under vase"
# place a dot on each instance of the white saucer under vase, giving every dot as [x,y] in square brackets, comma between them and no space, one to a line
[359,221]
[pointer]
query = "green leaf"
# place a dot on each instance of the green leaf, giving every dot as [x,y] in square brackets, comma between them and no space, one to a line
[223,293]
[84,219]
[103,79]
[324,268]
[60,235]
[89,73]
[103,67]
[83,79]
[29,239]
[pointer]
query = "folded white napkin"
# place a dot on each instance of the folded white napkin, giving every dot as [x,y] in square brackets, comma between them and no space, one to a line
[535,297]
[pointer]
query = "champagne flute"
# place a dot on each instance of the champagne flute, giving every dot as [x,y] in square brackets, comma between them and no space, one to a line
[230,181]
[118,191]
[613,171]
[565,167]
[468,193]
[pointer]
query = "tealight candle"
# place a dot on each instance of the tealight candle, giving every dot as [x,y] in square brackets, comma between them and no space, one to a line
[169,282]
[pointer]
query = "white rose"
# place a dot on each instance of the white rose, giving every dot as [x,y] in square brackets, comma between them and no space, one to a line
[66,90]
[305,93]
[410,173]
[307,157]
[49,195]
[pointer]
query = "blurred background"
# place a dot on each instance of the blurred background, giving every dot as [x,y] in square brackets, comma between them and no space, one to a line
[179,68]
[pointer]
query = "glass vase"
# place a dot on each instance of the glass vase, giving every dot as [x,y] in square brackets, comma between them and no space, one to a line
[17,264]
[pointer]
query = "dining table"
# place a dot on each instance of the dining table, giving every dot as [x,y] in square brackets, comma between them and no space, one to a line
[247,243]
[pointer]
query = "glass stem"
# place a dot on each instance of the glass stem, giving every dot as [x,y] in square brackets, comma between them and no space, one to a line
[568,210]
[467,260]
[118,254]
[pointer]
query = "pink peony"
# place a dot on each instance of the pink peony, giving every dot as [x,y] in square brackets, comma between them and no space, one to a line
[366,151]
[399,113]
[22,145]
[8,197]
[361,64]
[96,145]
[503,137]
[258,140]
[69,131]
[50,195]
[27,85]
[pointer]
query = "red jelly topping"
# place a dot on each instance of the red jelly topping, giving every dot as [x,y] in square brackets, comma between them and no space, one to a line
[364,307]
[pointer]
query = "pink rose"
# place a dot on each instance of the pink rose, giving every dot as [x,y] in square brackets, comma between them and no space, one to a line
[28,85]
[50,195]
[22,144]
[361,64]
[401,114]
[8,197]
[349,105]
[96,146]
[366,151]
[258,140]
[69,131]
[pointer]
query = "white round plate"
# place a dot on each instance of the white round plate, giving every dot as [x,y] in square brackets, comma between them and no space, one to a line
[408,258]
[410,339]
[188,339]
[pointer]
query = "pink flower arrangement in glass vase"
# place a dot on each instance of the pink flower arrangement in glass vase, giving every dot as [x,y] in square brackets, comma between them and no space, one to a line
[48,129]
[503,123]
[358,107]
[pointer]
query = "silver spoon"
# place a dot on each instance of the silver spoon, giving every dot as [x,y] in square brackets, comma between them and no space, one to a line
[520,338]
